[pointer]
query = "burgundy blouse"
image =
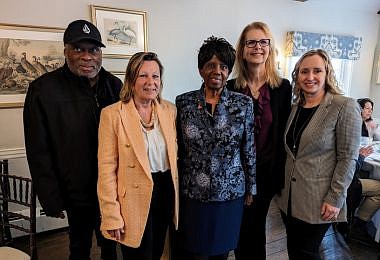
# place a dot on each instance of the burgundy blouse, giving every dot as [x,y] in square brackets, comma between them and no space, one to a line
[263,116]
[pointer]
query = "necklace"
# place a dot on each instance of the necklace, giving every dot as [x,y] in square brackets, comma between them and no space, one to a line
[297,136]
[150,124]
[255,91]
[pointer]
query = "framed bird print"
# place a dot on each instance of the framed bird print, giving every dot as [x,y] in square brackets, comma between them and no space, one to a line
[124,32]
[26,53]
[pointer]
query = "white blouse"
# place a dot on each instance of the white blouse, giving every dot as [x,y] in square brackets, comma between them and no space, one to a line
[156,148]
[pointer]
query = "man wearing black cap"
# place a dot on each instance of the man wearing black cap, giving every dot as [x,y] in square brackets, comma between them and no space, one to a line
[61,116]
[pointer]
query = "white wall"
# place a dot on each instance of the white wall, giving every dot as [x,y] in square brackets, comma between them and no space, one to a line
[177,28]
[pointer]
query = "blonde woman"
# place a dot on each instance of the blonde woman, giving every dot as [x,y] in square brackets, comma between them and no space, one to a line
[138,179]
[322,140]
[257,77]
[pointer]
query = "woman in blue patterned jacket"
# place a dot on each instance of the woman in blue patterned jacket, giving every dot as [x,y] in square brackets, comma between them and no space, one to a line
[216,156]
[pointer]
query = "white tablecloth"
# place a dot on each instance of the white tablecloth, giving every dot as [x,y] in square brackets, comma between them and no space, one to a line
[372,162]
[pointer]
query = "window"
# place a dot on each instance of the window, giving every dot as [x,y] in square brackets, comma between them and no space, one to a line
[343,50]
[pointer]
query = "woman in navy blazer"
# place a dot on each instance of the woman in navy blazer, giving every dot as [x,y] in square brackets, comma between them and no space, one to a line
[322,142]
[216,156]
[257,77]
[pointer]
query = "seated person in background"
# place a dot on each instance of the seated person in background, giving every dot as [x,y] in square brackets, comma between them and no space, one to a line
[370,187]
[369,125]
[362,187]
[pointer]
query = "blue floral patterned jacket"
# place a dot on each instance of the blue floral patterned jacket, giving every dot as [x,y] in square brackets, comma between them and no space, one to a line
[217,155]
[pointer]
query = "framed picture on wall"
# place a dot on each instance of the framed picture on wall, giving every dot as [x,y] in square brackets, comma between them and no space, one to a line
[124,32]
[119,74]
[26,52]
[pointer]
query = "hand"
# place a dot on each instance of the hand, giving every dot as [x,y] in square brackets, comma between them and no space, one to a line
[366,150]
[329,212]
[371,124]
[116,233]
[248,199]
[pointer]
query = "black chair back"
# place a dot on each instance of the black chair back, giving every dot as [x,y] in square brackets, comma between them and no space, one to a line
[17,206]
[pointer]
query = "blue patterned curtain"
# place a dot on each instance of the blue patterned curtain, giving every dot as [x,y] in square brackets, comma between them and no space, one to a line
[338,46]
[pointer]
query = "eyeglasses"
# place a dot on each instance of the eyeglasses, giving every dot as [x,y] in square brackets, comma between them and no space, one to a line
[261,42]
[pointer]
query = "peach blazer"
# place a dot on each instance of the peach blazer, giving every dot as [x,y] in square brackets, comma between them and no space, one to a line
[125,182]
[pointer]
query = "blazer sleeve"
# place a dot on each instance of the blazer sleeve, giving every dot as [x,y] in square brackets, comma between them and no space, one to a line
[180,143]
[39,152]
[108,166]
[348,129]
[248,150]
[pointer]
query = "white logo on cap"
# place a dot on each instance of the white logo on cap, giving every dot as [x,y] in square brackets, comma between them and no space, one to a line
[86,29]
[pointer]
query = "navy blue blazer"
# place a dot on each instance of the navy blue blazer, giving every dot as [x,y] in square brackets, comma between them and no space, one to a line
[216,153]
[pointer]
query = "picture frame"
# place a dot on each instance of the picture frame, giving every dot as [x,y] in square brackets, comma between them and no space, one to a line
[26,52]
[119,74]
[124,32]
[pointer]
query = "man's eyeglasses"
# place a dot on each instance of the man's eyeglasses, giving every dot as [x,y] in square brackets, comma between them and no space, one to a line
[261,42]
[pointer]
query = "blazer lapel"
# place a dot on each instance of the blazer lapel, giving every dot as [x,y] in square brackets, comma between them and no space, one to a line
[274,105]
[290,119]
[167,128]
[130,120]
[201,113]
[315,122]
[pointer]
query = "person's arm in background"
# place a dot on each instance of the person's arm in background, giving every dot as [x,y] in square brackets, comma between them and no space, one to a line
[363,153]
[39,153]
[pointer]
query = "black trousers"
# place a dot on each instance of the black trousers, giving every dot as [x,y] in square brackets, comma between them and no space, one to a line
[83,221]
[303,239]
[159,217]
[189,256]
[252,239]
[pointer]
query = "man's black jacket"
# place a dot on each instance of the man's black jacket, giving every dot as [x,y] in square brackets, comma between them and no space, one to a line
[61,116]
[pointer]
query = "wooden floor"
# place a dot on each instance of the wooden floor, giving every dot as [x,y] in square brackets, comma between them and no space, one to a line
[54,245]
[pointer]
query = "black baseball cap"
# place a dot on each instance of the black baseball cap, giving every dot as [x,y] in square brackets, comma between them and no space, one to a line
[80,30]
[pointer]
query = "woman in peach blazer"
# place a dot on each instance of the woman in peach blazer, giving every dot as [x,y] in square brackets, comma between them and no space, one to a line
[138,178]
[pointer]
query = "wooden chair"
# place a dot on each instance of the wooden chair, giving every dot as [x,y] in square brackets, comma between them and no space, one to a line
[16,196]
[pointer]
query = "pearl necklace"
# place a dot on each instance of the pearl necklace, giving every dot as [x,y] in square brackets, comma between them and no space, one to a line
[150,124]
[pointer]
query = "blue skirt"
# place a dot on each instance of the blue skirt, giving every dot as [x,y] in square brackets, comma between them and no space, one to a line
[211,228]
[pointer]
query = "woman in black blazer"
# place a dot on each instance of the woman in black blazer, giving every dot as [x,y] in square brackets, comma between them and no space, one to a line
[257,77]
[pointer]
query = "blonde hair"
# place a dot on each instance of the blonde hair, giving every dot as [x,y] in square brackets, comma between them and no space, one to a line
[241,69]
[132,72]
[331,84]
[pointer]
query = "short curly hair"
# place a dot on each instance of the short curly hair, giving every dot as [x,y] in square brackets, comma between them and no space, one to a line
[219,47]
